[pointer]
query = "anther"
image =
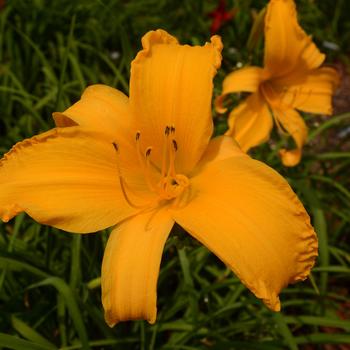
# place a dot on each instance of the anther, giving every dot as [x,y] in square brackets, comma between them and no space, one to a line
[116,147]
[175,145]
[167,130]
[172,129]
[138,134]
[148,151]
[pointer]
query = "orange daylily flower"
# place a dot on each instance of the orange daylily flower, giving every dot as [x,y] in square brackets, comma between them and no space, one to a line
[141,164]
[291,80]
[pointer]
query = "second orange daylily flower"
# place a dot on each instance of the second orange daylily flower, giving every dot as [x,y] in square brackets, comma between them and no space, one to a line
[291,80]
[141,164]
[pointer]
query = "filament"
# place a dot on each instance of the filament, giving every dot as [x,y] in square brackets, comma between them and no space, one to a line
[122,182]
[165,150]
[145,161]
[148,175]
[172,148]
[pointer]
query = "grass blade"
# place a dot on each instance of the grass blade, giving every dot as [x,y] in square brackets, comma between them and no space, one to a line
[72,306]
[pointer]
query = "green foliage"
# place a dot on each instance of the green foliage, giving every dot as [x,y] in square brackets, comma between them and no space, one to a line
[49,280]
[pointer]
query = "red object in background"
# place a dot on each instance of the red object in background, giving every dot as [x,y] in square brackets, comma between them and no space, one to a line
[220,15]
[2,4]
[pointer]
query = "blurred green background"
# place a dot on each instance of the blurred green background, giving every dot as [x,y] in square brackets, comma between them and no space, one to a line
[49,280]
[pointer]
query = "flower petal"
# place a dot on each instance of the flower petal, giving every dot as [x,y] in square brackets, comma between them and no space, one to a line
[219,148]
[171,85]
[66,178]
[312,92]
[245,79]
[252,220]
[287,47]
[294,124]
[130,267]
[101,108]
[250,123]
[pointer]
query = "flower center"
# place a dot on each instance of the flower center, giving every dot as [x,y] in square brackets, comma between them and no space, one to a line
[270,95]
[169,185]
[283,98]
[276,102]
[172,187]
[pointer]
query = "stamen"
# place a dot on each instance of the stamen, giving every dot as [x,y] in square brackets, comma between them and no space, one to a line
[148,152]
[165,150]
[122,182]
[139,151]
[274,106]
[175,145]
[278,123]
[181,200]
[138,148]
[270,95]
[170,186]
[148,174]
[171,150]
[145,164]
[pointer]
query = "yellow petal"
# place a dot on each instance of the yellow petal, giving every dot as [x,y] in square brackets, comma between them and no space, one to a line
[66,178]
[246,79]
[219,148]
[312,92]
[250,123]
[130,267]
[295,126]
[63,121]
[287,47]
[252,220]
[171,85]
[100,108]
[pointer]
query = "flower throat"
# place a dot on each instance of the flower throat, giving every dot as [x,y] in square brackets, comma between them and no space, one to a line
[171,186]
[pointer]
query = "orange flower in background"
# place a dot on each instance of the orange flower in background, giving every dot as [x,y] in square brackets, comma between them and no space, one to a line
[291,80]
[142,163]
